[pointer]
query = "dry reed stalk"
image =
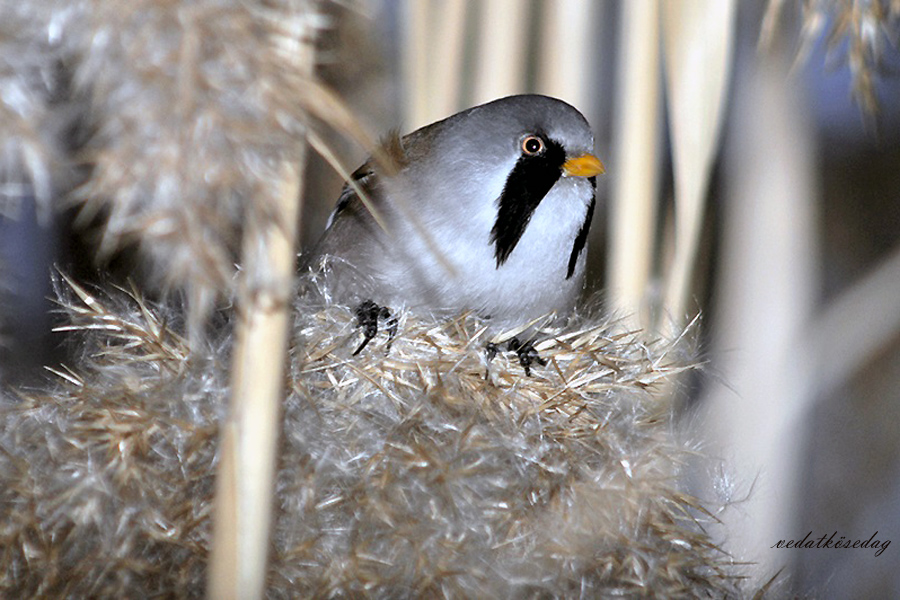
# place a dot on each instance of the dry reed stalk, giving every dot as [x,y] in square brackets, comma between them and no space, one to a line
[446,68]
[500,67]
[838,340]
[415,61]
[697,43]
[766,296]
[434,49]
[567,65]
[249,437]
[633,208]
[245,477]
[842,342]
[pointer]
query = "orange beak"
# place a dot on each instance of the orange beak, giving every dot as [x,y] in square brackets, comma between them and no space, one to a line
[586,165]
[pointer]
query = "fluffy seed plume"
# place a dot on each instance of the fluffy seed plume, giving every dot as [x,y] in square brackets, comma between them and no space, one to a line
[425,471]
[194,108]
[173,119]
[857,32]
[33,161]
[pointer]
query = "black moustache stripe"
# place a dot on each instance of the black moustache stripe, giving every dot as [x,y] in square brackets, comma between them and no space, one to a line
[581,238]
[526,186]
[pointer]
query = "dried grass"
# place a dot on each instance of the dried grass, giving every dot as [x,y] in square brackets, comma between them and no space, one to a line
[172,119]
[33,161]
[401,474]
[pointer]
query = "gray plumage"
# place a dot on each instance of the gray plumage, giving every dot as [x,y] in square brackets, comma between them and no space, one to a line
[447,245]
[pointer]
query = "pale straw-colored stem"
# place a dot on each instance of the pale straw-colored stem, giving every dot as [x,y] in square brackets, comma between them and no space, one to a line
[567,65]
[502,44]
[249,438]
[698,38]
[446,60]
[635,167]
[857,325]
[416,29]
[249,435]
[765,296]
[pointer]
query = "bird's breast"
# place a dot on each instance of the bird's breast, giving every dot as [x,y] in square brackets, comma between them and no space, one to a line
[457,268]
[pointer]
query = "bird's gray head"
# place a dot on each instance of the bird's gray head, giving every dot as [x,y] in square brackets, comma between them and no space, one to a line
[514,115]
[493,132]
[500,159]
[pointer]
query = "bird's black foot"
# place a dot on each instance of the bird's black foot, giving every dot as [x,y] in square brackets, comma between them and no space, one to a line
[524,350]
[367,315]
[526,353]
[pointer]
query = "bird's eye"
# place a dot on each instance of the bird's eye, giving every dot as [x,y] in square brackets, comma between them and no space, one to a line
[532,145]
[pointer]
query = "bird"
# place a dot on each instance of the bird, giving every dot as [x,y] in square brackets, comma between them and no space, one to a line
[487,210]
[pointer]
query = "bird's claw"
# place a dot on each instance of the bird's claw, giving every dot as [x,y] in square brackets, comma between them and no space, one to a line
[526,352]
[367,315]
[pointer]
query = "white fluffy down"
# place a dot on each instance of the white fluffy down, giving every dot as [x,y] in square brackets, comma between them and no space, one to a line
[407,473]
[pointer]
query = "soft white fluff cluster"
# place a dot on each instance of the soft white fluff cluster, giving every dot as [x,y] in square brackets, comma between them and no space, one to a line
[33,110]
[180,113]
[422,471]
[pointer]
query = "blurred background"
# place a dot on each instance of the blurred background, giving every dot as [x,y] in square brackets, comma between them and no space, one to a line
[753,177]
